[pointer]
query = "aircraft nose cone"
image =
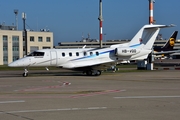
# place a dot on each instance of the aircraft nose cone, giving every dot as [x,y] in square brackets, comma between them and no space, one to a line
[13,64]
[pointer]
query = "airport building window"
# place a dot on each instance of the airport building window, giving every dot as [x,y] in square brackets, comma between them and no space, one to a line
[5,58]
[48,39]
[5,38]
[15,48]
[15,43]
[15,38]
[63,54]
[40,39]
[46,47]
[5,48]
[97,53]
[32,38]
[77,54]
[70,54]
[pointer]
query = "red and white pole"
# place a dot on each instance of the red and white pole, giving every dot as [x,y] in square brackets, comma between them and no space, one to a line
[100,24]
[151,19]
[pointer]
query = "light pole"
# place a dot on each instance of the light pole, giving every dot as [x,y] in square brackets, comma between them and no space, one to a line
[16,18]
[100,23]
[24,32]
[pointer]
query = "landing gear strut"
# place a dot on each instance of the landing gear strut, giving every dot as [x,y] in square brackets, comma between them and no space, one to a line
[25,74]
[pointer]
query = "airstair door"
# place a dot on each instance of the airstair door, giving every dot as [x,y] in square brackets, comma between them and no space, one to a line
[53,58]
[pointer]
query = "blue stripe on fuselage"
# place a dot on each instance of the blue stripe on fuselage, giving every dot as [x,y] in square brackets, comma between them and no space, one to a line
[136,45]
[91,56]
[101,53]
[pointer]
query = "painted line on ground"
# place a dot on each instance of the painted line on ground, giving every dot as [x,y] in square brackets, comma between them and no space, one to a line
[46,87]
[64,96]
[19,101]
[53,110]
[96,93]
[145,97]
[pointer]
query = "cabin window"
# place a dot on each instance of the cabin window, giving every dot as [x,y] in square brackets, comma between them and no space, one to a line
[85,53]
[70,54]
[97,53]
[77,54]
[91,53]
[63,54]
[36,54]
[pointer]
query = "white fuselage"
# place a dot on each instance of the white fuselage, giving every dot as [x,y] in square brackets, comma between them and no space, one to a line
[73,58]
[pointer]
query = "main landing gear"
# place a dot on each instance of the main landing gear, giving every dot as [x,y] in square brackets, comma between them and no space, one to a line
[25,74]
[93,72]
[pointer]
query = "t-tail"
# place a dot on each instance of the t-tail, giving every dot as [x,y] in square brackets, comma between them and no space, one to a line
[169,45]
[146,36]
[141,44]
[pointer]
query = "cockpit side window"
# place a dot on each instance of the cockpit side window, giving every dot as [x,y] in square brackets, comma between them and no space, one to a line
[36,54]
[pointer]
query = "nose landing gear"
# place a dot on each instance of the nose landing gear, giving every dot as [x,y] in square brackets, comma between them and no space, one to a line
[25,74]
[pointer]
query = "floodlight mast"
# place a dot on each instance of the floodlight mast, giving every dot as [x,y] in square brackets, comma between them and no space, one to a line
[16,18]
[151,21]
[24,32]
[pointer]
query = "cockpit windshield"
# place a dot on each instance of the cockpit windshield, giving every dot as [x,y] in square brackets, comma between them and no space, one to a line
[36,54]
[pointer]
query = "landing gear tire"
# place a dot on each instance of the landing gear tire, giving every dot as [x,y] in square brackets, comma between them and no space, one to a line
[98,73]
[25,74]
[93,72]
[89,73]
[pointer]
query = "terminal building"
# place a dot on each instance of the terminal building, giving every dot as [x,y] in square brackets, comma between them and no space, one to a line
[12,44]
[92,43]
[108,43]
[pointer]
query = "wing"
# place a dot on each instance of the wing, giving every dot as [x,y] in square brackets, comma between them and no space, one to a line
[89,66]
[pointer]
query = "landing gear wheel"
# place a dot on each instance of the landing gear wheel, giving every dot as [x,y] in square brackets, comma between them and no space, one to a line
[98,73]
[89,73]
[25,74]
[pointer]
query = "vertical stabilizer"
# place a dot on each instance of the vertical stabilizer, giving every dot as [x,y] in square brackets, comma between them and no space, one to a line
[146,36]
[169,45]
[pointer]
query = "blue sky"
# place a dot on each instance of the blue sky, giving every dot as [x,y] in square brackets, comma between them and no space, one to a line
[70,19]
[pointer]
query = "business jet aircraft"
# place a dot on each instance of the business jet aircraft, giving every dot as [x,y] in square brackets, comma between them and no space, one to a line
[168,47]
[93,61]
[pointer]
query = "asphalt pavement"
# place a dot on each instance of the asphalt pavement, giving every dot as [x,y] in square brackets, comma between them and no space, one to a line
[67,95]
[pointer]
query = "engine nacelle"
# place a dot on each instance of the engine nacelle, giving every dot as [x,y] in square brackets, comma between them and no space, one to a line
[126,51]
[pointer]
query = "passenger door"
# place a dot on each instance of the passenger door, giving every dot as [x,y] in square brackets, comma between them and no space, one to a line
[53,58]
